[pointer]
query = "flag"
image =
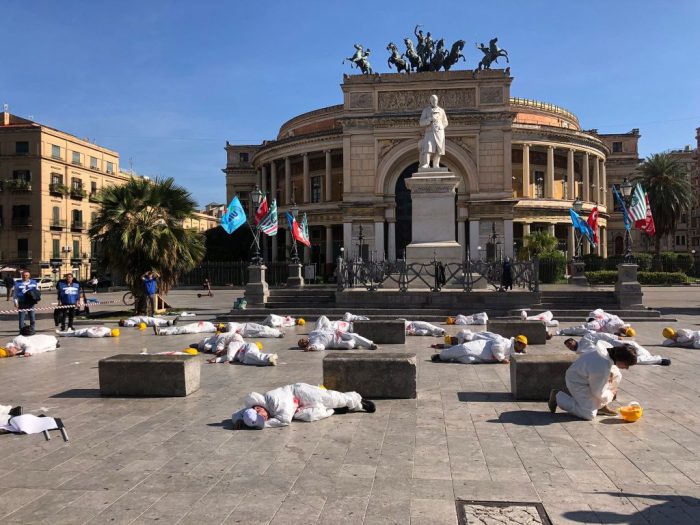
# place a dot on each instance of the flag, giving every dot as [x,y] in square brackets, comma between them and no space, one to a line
[304,227]
[649,227]
[268,224]
[593,223]
[297,230]
[582,226]
[623,208]
[638,207]
[261,211]
[234,216]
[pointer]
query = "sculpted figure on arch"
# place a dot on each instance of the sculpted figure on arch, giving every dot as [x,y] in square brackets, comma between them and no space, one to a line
[434,120]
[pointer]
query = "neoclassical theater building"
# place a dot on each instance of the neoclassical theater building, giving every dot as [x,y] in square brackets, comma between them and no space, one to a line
[520,163]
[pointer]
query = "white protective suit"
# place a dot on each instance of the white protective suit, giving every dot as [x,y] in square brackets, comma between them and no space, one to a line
[199,327]
[480,347]
[320,340]
[599,321]
[247,354]
[590,379]
[147,320]
[423,328]
[685,338]
[33,344]
[219,342]
[591,341]
[547,317]
[91,331]
[300,401]
[480,318]
[279,321]
[252,330]
[348,317]
[323,323]
[4,414]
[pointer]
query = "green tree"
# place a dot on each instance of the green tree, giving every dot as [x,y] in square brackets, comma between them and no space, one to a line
[541,242]
[669,190]
[140,228]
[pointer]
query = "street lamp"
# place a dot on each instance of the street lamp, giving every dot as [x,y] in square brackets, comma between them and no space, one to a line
[294,211]
[626,190]
[361,239]
[578,237]
[256,197]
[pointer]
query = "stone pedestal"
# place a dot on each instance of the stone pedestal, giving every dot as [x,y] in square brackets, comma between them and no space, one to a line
[256,291]
[433,217]
[149,375]
[371,374]
[578,275]
[627,288]
[295,278]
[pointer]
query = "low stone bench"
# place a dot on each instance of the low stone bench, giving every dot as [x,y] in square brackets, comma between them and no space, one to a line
[371,374]
[149,375]
[533,376]
[382,332]
[535,331]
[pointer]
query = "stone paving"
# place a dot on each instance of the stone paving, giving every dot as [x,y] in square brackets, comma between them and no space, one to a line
[175,460]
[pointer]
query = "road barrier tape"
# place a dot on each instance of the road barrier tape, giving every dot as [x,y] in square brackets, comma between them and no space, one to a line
[47,308]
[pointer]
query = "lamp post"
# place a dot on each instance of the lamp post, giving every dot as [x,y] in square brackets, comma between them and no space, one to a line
[626,189]
[294,278]
[578,267]
[256,197]
[578,237]
[361,239]
[294,251]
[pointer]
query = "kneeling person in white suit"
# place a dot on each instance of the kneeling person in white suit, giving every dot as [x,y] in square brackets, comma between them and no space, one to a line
[682,337]
[546,317]
[483,347]
[300,401]
[279,321]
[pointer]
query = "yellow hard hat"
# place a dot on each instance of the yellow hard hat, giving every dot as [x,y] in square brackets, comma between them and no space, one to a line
[142,326]
[521,339]
[301,321]
[630,332]
[450,320]
[668,332]
[115,332]
[191,351]
[259,345]
[4,353]
[448,339]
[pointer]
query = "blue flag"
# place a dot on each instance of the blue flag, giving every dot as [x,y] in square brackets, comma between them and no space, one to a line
[582,226]
[234,216]
[621,204]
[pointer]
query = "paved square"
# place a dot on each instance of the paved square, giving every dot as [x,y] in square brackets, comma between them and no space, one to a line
[175,460]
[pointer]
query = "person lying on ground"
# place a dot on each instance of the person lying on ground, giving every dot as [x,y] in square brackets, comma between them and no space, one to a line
[594,340]
[244,353]
[593,381]
[323,323]
[320,340]
[348,317]
[199,327]
[90,331]
[148,321]
[27,345]
[423,328]
[252,330]
[479,319]
[279,321]
[600,321]
[682,337]
[12,419]
[546,317]
[300,401]
[7,412]
[483,347]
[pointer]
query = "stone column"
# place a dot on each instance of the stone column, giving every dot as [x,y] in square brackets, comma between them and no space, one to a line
[391,241]
[549,175]
[526,232]
[307,182]
[329,183]
[604,241]
[274,247]
[474,239]
[596,180]
[273,183]
[508,237]
[379,240]
[258,179]
[586,179]
[604,183]
[526,170]
[329,244]
[550,229]
[287,180]
[570,175]
[461,234]
[571,242]
[263,187]
[347,238]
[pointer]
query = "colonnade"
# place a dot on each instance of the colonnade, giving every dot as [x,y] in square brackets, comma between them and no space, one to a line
[267,180]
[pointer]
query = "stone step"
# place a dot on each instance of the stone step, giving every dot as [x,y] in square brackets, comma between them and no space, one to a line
[583,314]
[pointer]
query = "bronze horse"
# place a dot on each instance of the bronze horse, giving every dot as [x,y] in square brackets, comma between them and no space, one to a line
[454,55]
[396,58]
[412,56]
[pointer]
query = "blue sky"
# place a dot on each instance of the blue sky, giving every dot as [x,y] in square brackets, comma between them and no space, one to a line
[167,83]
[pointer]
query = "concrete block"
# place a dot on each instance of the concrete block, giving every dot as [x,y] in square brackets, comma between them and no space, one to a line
[149,375]
[533,376]
[382,332]
[535,331]
[372,375]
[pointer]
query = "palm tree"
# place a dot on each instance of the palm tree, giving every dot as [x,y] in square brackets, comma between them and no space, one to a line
[669,190]
[140,228]
[541,242]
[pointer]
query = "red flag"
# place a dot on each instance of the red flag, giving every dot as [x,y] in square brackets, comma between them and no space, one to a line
[593,223]
[261,211]
[649,226]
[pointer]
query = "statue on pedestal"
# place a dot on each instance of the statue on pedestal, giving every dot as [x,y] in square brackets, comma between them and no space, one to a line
[491,54]
[360,59]
[434,120]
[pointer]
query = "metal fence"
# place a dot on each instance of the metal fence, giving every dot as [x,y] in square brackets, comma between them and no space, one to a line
[373,275]
[233,273]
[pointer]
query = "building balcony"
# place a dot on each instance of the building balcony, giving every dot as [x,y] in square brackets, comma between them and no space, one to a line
[78,192]
[56,188]
[17,185]
[77,225]
[22,255]
[93,196]
[57,224]
[20,222]
[76,261]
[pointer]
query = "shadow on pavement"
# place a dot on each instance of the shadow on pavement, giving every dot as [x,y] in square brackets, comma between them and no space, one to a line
[226,424]
[79,393]
[673,509]
[494,397]
[685,310]
[532,418]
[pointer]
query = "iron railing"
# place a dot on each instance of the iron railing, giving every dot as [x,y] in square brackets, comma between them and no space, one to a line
[402,275]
